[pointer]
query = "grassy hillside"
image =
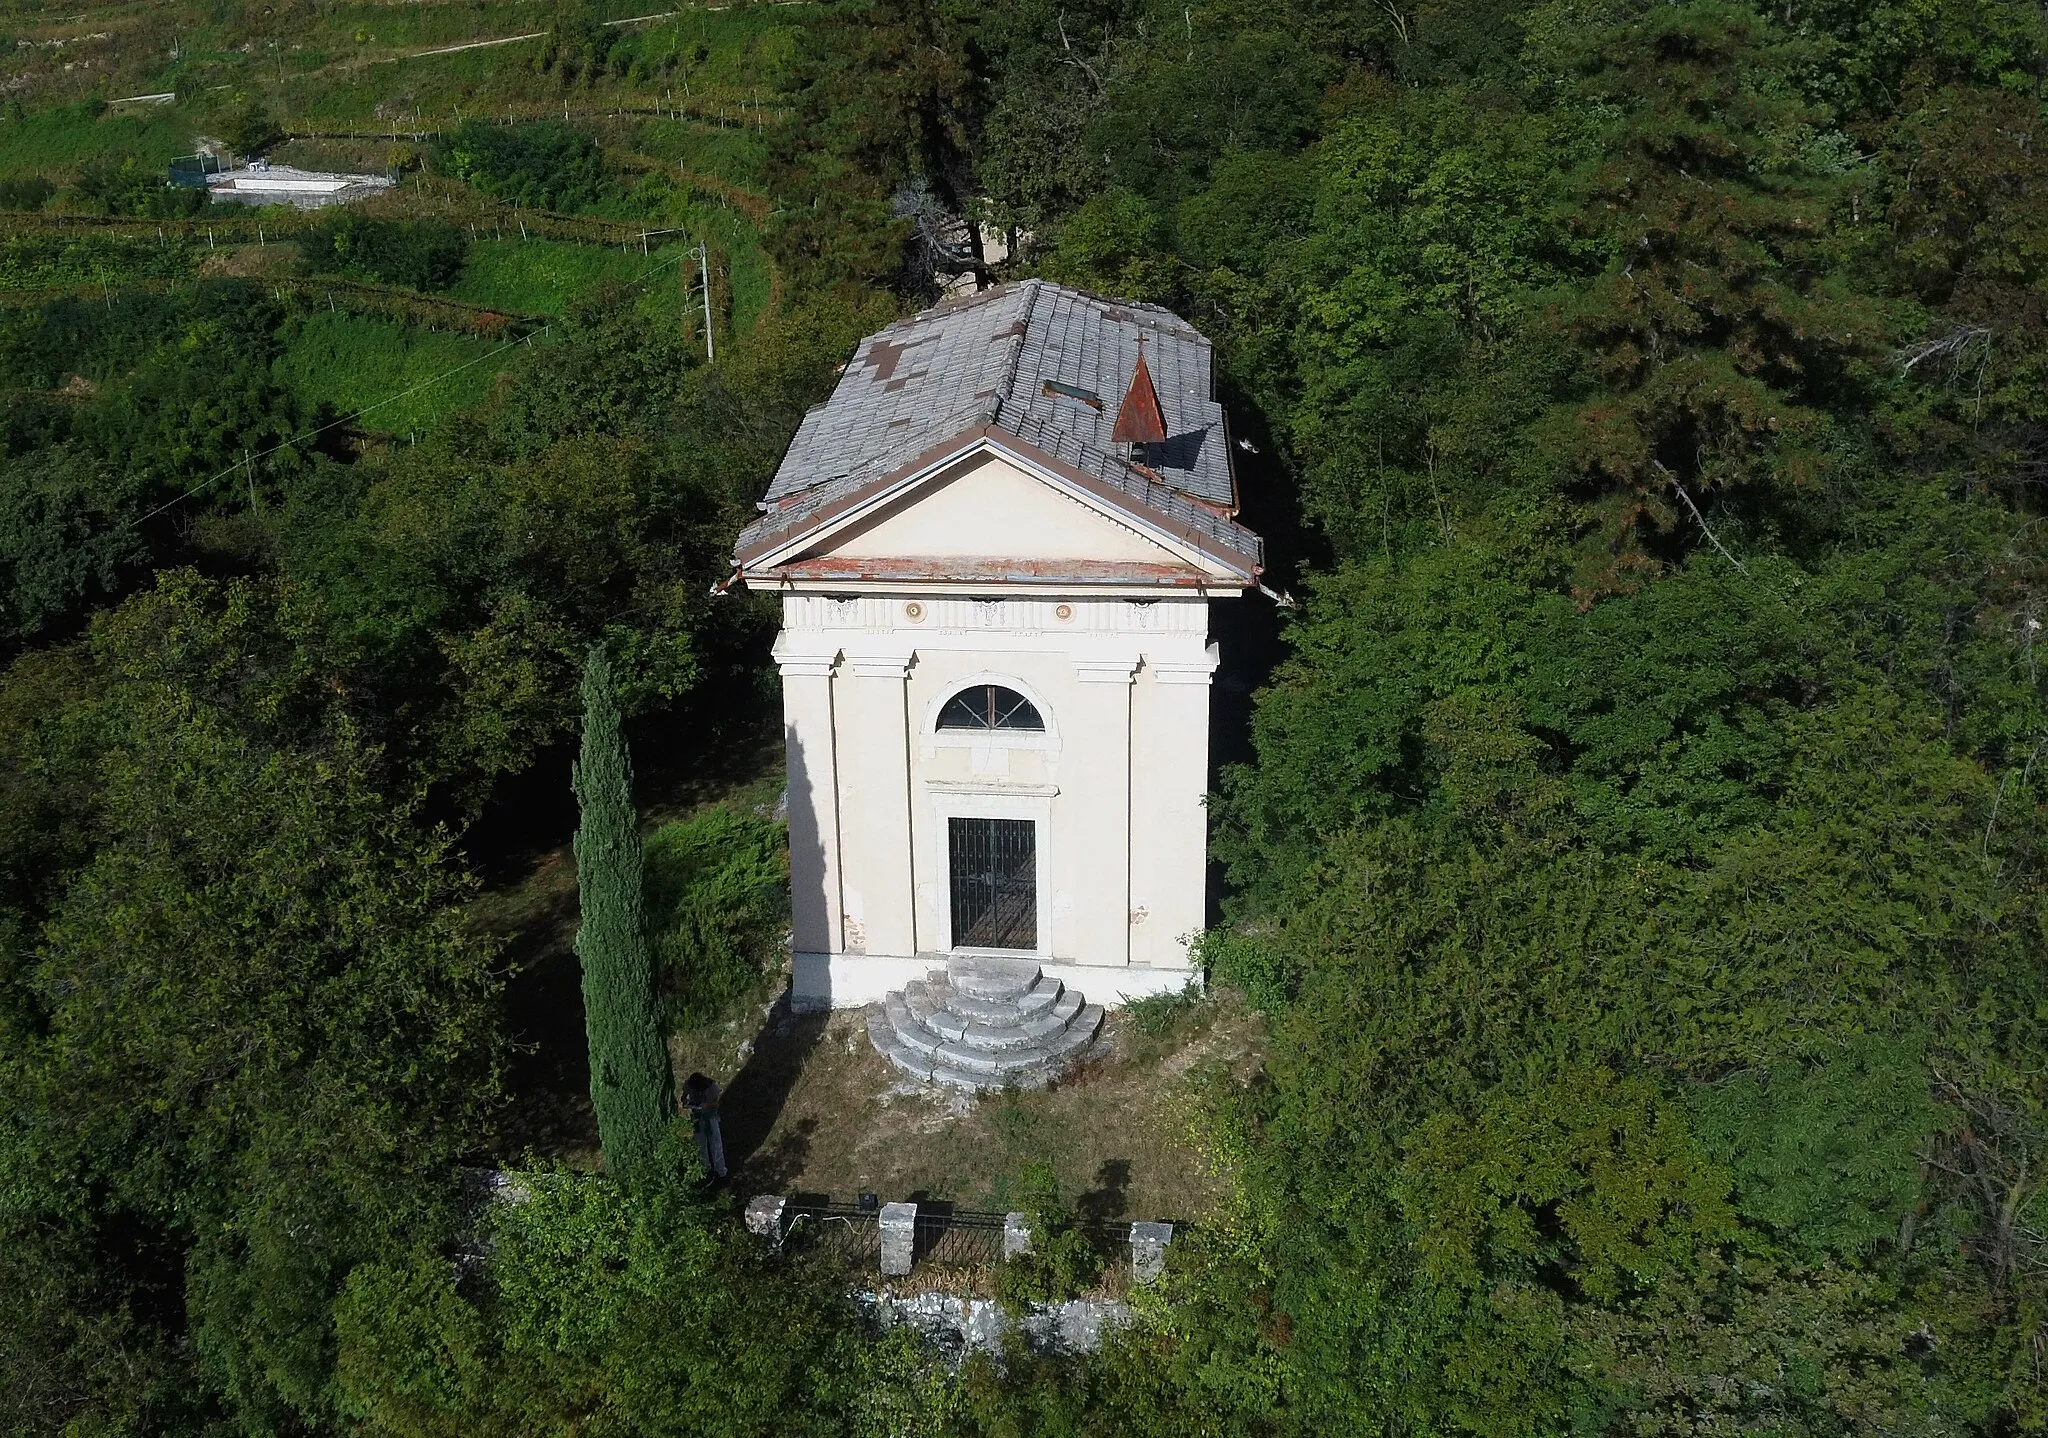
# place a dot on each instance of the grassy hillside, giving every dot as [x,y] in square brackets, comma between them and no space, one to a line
[352,362]
[541,277]
[56,142]
[681,107]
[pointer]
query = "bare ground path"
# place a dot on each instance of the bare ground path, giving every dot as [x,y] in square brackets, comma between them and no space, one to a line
[812,1108]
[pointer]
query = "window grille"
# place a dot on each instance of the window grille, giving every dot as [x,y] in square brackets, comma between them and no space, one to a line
[990,706]
[994,865]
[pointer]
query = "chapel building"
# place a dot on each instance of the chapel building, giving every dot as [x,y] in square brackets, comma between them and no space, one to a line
[996,546]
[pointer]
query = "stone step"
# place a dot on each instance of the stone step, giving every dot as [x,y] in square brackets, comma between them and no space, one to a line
[883,1037]
[981,977]
[904,1026]
[929,1004]
[1034,1001]
[921,1026]
[995,1037]
[975,1036]
[990,1065]
[1052,1062]
[1080,1033]
[951,1077]
[1016,1058]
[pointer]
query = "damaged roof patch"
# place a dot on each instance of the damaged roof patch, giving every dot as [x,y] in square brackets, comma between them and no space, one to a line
[1031,361]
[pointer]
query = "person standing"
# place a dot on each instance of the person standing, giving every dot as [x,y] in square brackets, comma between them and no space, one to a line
[700,1102]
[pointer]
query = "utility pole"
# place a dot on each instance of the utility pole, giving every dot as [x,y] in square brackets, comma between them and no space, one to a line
[704,264]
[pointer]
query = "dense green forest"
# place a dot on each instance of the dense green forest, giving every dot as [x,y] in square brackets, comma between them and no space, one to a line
[1636,856]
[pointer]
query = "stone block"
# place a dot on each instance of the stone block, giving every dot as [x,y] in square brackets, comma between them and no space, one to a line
[1016,1235]
[764,1216]
[991,978]
[1148,1250]
[899,1238]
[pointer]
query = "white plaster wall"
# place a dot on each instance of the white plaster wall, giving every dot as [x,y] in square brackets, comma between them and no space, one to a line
[1116,782]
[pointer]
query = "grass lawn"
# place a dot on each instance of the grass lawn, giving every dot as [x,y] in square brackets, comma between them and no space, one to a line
[540,277]
[56,142]
[739,156]
[750,274]
[351,362]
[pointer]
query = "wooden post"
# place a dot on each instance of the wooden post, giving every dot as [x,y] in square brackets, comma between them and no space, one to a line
[704,260]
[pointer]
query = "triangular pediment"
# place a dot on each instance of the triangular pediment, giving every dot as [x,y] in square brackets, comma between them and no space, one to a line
[987,506]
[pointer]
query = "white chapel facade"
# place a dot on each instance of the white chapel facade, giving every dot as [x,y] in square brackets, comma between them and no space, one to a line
[996,546]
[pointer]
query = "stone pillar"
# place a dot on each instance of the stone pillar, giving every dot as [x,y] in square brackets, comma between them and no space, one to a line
[764,1216]
[1148,1250]
[1101,851]
[899,1238]
[810,730]
[874,787]
[1016,1235]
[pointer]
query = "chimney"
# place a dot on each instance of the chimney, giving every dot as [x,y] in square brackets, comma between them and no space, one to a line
[1138,420]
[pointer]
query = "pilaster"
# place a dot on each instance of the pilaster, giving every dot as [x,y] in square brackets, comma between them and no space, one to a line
[875,803]
[1101,853]
[810,733]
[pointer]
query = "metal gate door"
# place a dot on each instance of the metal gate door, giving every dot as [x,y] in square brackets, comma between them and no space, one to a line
[995,883]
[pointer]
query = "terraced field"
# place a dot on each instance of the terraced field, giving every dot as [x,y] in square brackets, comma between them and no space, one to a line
[682,105]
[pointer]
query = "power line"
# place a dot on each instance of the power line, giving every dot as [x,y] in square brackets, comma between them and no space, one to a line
[333,424]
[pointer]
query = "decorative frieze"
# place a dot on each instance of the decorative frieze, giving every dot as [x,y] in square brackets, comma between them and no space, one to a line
[932,615]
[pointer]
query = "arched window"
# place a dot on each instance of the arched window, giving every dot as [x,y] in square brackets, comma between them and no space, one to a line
[990,706]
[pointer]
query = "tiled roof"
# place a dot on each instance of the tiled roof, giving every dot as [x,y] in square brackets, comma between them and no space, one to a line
[1033,360]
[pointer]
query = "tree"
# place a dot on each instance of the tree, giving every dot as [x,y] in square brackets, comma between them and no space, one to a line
[641,1311]
[1710,348]
[260,1030]
[629,1077]
[250,130]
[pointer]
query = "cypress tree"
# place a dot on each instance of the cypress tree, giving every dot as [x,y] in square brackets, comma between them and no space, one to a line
[629,1074]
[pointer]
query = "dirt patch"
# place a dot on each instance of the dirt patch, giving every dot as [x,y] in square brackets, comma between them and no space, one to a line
[811,1108]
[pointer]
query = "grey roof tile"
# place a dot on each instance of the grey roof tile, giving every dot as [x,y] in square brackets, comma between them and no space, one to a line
[1043,362]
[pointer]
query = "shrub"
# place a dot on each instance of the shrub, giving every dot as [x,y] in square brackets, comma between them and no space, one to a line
[31,193]
[1264,973]
[717,900]
[1063,1260]
[1154,1014]
[125,185]
[1827,1157]
[545,165]
[250,129]
[419,254]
